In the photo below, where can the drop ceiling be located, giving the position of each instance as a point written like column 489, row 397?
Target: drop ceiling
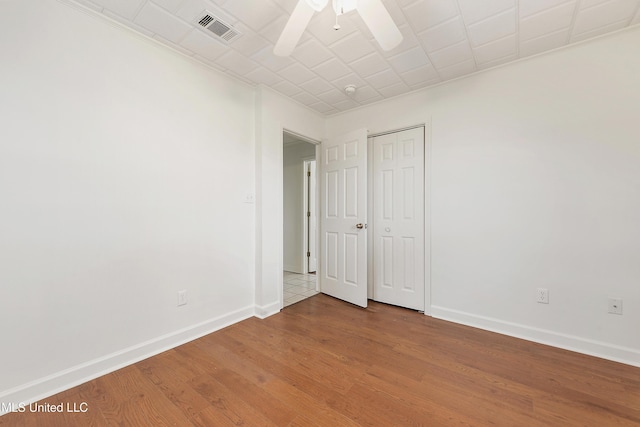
column 443, row 40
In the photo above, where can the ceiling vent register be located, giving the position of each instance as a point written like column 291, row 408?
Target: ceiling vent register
column 219, row 28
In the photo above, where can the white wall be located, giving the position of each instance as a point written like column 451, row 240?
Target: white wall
column 535, row 182
column 123, row 172
column 293, row 206
column 273, row 114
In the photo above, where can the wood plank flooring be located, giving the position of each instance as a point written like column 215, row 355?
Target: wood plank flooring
column 323, row 362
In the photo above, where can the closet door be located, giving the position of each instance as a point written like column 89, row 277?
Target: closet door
column 398, row 219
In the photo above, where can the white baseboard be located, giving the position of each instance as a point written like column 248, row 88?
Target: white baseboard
column 79, row 374
column 599, row 349
column 264, row 311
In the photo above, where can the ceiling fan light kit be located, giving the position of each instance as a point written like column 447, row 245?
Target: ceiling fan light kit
column 373, row 13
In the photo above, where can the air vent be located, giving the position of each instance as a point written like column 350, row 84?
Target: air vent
column 216, row 26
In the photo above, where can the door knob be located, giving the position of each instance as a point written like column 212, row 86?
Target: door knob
column 359, row 226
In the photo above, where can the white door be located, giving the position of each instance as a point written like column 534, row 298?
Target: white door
column 398, row 218
column 311, row 216
column 343, row 217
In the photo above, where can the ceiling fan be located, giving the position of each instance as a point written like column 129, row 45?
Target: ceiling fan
column 372, row 12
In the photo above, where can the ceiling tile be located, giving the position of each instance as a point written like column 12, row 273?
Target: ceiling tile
column 264, row 76
column 451, row 55
column 548, row 21
column 203, row 44
column 457, row 70
column 530, row 7
column 598, row 31
column 370, row 64
column 409, row 40
column 321, row 107
column 332, row 69
column 585, row 4
column 90, row 5
column 311, row 53
column 409, row 60
column 346, row 105
column 266, row 57
column 287, row 88
column 237, row 62
column 493, row 28
column 125, row 8
column 366, row 94
column 255, row 14
column 332, row 96
column 127, row 23
column 350, row 79
column 541, row 44
column 604, row 14
column 170, row 5
column 249, row 43
column 352, row 47
column 173, row 45
column 499, row 61
column 316, row 86
column 305, row 98
column 297, row 74
column 273, row 30
column 192, row 9
column 383, row 79
column 420, row 75
column 446, row 34
column 394, row 90
column 161, row 22
column 495, row 50
column 427, row 13
column 474, row 10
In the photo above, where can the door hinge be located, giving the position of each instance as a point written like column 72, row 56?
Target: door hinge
column 308, row 213
column 308, row 173
column 308, row 254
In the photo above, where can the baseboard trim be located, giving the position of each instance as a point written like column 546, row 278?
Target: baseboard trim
column 79, row 374
column 264, row 311
column 595, row 348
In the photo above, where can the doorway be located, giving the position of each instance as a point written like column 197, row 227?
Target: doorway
column 299, row 214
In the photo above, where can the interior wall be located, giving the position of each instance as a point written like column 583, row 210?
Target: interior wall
column 123, row 173
column 293, row 206
column 534, row 182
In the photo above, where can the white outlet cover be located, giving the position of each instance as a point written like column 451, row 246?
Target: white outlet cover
column 615, row 305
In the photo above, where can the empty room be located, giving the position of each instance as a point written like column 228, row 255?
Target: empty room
column 320, row 212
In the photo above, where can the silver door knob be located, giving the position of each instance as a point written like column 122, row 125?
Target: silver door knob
column 359, row 226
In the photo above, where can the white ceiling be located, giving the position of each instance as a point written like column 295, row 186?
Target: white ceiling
column 443, row 39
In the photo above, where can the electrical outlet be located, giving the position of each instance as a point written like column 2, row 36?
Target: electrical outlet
column 182, row 298
column 542, row 295
column 615, row 305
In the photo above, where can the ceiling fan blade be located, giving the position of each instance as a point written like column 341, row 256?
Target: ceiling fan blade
column 380, row 23
column 293, row 30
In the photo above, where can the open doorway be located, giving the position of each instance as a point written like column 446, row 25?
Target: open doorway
column 299, row 214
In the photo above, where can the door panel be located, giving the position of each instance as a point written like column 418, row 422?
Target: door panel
column 343, row 171
column 398, row 223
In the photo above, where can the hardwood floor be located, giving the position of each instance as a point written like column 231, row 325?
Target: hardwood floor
column 323, row 362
